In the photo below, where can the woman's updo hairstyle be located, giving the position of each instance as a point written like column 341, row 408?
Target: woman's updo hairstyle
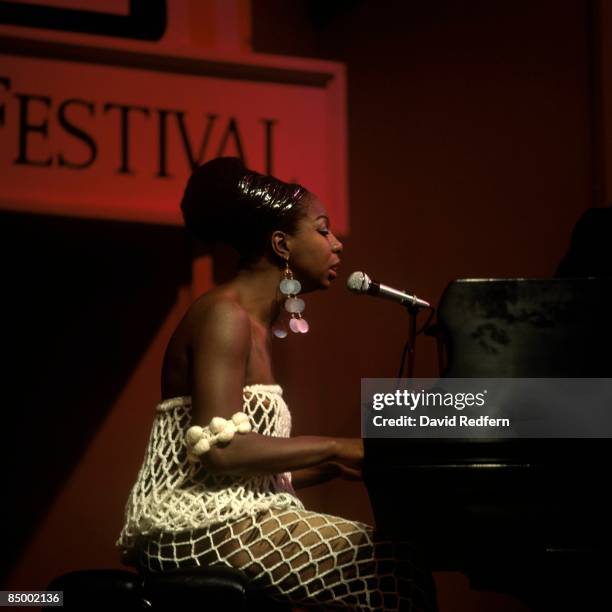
column 228, row 203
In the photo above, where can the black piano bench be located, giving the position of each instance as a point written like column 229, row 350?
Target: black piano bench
column 193, row 590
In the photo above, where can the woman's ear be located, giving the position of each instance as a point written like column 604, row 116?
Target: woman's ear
column 280, row 244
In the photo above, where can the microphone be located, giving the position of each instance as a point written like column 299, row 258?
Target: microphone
column 360, row 282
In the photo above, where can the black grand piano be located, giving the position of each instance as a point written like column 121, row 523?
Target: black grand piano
column 528, row 517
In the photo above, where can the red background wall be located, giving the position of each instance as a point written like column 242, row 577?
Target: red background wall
column 475, row 143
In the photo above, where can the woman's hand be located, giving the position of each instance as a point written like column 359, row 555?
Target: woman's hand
column 319, row 474
column 349, row 452
column 348, row 473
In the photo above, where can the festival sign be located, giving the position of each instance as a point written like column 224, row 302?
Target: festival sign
column 101, row 132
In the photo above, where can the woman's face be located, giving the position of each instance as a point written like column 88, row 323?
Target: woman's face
column 314, row 250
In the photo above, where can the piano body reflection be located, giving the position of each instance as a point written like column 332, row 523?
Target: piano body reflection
column 528, row 517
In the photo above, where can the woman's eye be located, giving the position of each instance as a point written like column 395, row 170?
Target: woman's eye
column 324, row 231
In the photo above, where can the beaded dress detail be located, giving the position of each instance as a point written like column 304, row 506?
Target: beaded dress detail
column 172, row 494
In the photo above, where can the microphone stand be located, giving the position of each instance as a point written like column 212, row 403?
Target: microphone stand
column 409, row 353
column 413, row 311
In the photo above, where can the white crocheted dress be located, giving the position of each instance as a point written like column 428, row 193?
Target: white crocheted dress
column 179, row 515
column 173, row 494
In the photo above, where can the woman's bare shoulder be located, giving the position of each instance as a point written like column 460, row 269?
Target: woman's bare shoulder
column 214, row 324
column 217, row 312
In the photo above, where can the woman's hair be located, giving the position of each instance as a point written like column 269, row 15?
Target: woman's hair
column 228, row 203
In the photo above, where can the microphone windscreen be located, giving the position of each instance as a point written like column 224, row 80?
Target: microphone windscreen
column 358, row 282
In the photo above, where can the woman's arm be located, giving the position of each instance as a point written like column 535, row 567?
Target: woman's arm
column 308, row 477
column 253, row 454
column 220, row 350
column 319, row 474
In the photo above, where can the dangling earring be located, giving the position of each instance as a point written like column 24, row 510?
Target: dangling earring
column 294, row 305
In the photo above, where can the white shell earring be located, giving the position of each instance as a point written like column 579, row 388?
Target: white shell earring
column 294, row 305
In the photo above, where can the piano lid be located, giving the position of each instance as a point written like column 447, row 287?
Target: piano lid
column 554, row 328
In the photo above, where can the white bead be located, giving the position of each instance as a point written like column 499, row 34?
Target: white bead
column 293, row 324
column 244, row 427
column 290, row 286
column 201, row 447
column 294, row 305
column 228, row 433
column 193, row 435
column 240, row 417
column 217, row 425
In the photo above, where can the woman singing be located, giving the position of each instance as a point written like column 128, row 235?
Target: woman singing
column 218, row 479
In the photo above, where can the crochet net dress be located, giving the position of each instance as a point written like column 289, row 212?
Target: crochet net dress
column 179, row 515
